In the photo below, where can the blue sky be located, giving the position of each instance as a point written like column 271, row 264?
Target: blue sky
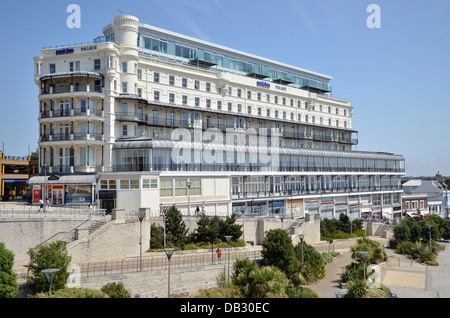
column 397, row 77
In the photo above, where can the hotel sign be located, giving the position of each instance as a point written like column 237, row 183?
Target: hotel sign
column 263, row 84
column 65, row 51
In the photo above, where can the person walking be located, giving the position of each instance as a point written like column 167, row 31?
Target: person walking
column 41, row 205
column 219, row 254
column 197, row 211
column 47, row 206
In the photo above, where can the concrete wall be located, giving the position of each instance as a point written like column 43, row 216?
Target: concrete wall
column 21, row 233
column 157, row 280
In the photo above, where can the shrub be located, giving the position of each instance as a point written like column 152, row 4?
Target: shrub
column 426, row 255
column 116, row 290
column 8, row 283
column 405, row 247
column 73, row 293
column 357, row 289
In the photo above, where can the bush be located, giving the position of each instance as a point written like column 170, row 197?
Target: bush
column 426, row 256
column 115, row 290
column 357, row 289
column 73, row 293
column 405, row 247
column 8, row 283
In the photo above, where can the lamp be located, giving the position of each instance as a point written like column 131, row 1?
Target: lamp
column 50, row 275
column 363, row 257
column 169, row 252
column 189, row 183
column 140, row 214
column 228, row 237
column 301, row 237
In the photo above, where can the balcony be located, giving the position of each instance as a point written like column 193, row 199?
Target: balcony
column 64, row 89
column 72, row 137
column 77, row 112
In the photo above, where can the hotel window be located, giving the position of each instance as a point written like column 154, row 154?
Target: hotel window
column 134, row 184
column 124, row 184
column 276, row 113
column 124, row 109
column 292, row 102
column 139, row 73
column 229, row 91
column 171, row 80
column 284, row 115
column 156, row 95
column 230, row 107
column 422, row 204
column 219, row 104
column 299, row 117
column 156, row 77
column 414, row 205
column 313, row 119
column 239, row 108
column 337, row 123
column 299, row 104
column 52, row 68
column 292, row 116
column 284, row 100
column 184, row 99
column 268, row 98
column 166, row 187
column 208, row 87
column 249, row 109
column 249, row 94
column 196, row 187
column 180, row 187
column 124, row 130
column 124, row 67
column 258, row 96
column 276, row 100
column 197, row 85
column 171, row 98
column 140, row 92
column 259, row 111
column 306, row 118
column 150, row 183
column 239, row 92
column 74, row 66
column 306, row 105
column 124, row 87
column 208, row 103
column 407, row 205
column 197, row 101
column 97, row 64
column 268, row 112
column 184, row 82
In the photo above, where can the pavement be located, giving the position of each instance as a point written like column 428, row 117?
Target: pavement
column 405, row 278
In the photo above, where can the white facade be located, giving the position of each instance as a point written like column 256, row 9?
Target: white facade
column 247, row 133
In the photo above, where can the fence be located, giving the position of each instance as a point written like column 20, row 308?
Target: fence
column 63, row 211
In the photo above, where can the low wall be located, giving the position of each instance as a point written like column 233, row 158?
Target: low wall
column 156, row 281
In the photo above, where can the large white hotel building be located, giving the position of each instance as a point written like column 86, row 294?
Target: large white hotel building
column 143, row 116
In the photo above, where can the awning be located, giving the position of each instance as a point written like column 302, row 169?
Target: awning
column 418, row 213
column 70, row 179
column 17, row 180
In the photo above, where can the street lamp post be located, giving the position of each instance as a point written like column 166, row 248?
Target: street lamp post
column 282, row 218
column 363, row 257
column 301, row 237
column 228, row 237
column 140, row 214
column 50, row 275
column 169, row 252
column 189, row 183
column 429, row 233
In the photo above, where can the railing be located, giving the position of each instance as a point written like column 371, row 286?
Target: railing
column 30, row 211
column 244, row 168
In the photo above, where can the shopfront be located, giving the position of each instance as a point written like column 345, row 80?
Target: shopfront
column 64, row 190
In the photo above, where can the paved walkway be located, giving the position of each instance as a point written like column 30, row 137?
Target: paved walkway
column 404, row 278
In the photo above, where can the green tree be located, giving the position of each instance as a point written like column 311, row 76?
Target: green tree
column 176, row 229
column 8, row 279
column 229, row 227
column 313, row 268
column 278, row 251
column 206, row 228
column 52, row 255
column 157, row 236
